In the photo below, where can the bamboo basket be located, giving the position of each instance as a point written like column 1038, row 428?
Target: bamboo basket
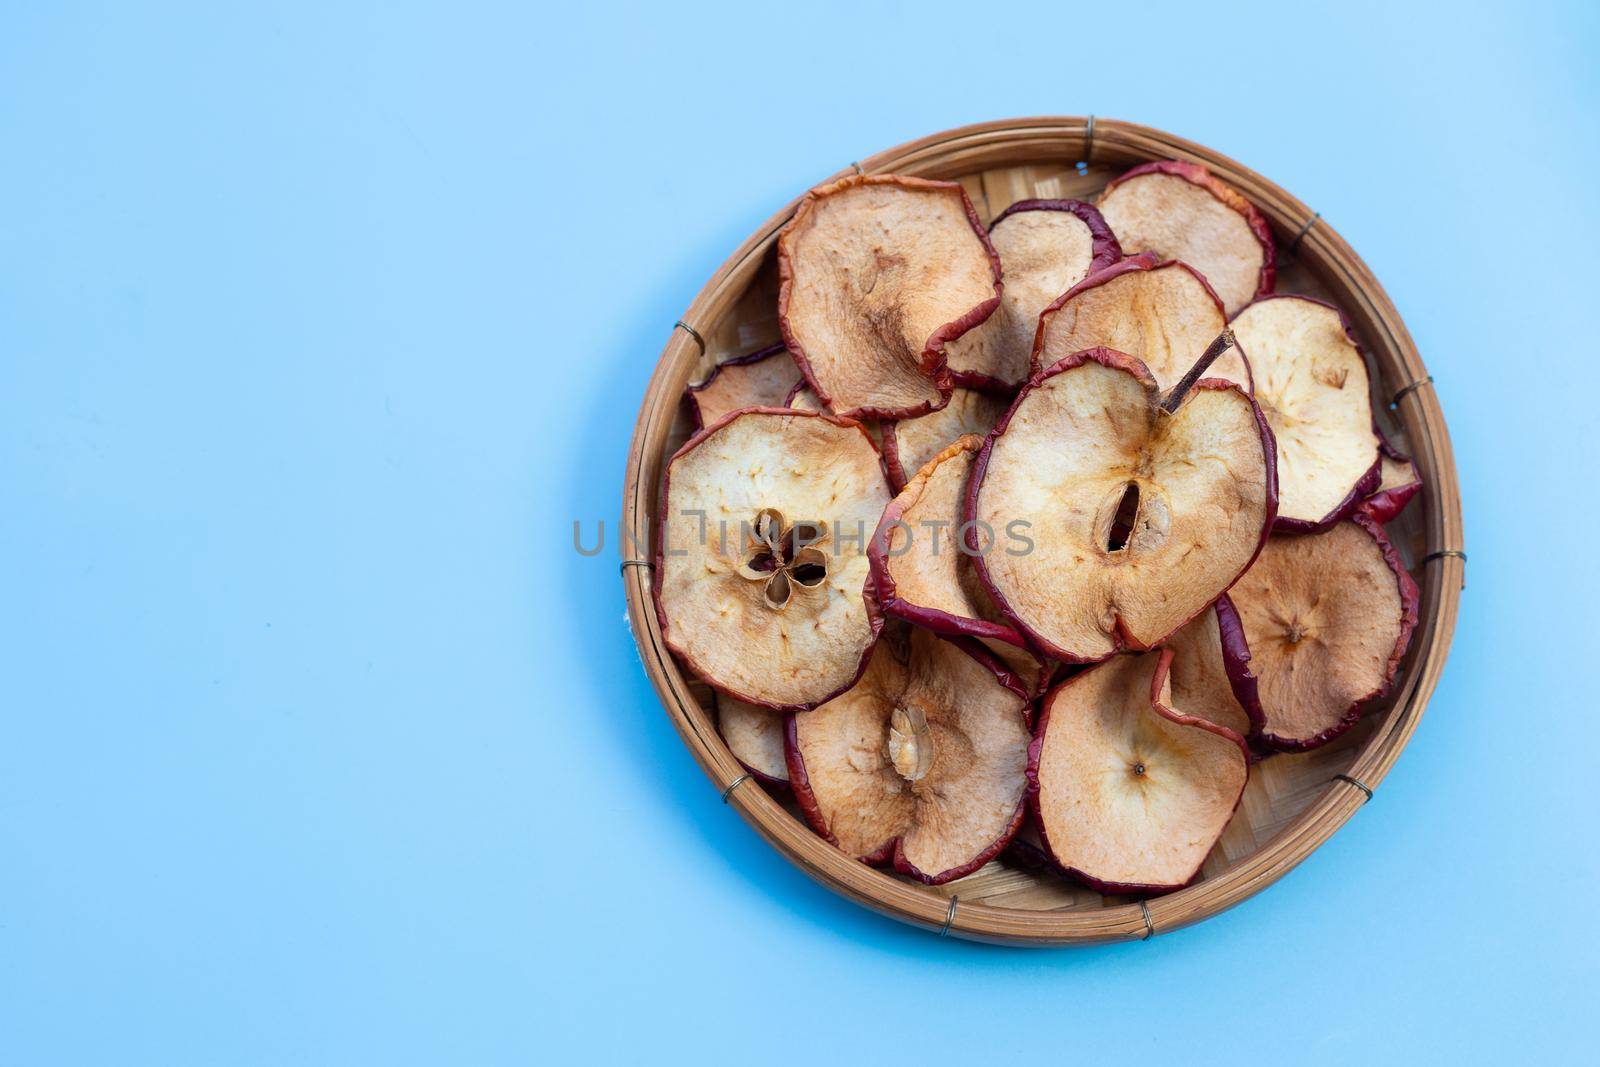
column 1293, row 802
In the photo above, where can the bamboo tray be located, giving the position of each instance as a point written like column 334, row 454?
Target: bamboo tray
column 1293, row 802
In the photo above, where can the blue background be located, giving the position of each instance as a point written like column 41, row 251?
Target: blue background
column 319, row 326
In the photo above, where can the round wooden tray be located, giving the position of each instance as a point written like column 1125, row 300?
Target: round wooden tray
column 1293, row 802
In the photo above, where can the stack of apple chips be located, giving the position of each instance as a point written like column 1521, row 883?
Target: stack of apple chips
column 1055, row 528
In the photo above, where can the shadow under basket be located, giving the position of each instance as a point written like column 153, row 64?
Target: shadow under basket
column 1293, row 802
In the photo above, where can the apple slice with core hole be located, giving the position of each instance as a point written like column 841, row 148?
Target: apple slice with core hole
column 1045, row 247
column 1136, row 519
column 1398, row 482
column 876, row 274
column 1128, row 793
column 1161, row 313
column 922, row 762
column 923, row 570
column 755, row 737
column 1180, row 211
column 1200, row 684
column 1325, row 619
column 761, row 565
column 909, row 445
column 762, row 379
column 1312, row 385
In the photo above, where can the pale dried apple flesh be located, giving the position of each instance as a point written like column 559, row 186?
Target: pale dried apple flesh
column 1131, row 796
column 1312, row 385
column 1043, row 253
column 878, row 274
column 1076, row 447
column 928, row 751
column 1164, row 316
column 761, row 576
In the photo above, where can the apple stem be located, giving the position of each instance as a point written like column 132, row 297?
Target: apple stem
column 1213, row 351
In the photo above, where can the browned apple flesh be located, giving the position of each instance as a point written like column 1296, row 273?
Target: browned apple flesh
column 1045, row 247
column 908, row 445
column 877, row 273
column 762, row 379
column 762, row 565
column 1180, row 211
column 1312, row 385
column 755, row 737
column 1138, row 519
column 1326, row 619
column 923, row 571
column 1200, row 684
column 1129, row 793
column 1398, row 482
column 922, row 762
column 1161, row 313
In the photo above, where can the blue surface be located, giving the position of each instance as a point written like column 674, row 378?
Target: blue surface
column 319, row 743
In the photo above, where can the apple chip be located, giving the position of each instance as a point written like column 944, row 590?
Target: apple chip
column 1200, row 683
column 922, row 567
column 1180, row 211
column 1129, row 794
column 908, row 445
column 877, row 273
column 1326, row 619
column 1398, row 482
column 761, row 569
column 1045, row 247
column 755, row 737
column 923, row 761
column 1161, row 313
column 1311, row 383
column 762, row 379
column 803, row 399
column 1135, row 519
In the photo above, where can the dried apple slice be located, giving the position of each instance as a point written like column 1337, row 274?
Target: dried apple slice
column 1135, row 519
column 1398, row 482
column 761, row 569
column 923, row 570
column 1325, row 620
column 755, row 737
column 1200, row 683
column 801, row 398
column 1128, row 793
column 1180, row 211
column 877, row 273
column 923, row 761
column 762, row 379
column 908, row 445
column 1045, row 247
column 1162, row 313
column 1311, row 383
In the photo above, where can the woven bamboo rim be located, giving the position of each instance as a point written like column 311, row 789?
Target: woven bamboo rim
column 1013, row 142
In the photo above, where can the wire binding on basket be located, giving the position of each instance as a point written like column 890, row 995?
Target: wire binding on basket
column 1358, row 783
column 949, row 916
column 1149, row 927
column 1394, row 401
column 692, row 332
column 1448, row 553
column 735, row 784
column 1305, row 229
column 635, row 563
column 857, row 166
column 1088, row 147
